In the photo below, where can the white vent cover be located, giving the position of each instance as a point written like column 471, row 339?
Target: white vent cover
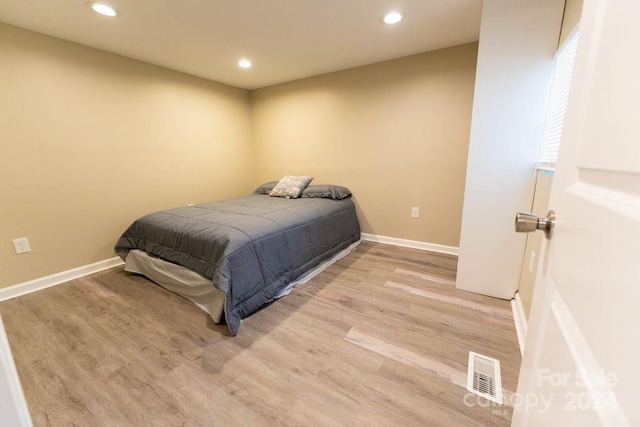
column 484, row 378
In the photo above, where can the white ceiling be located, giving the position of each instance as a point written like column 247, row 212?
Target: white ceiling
column 285, row 39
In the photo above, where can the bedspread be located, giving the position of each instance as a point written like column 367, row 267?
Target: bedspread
column 250, row 247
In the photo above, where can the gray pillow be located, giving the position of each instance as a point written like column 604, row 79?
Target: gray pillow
column 290, row 186
column 265, row 188
column 334, row 192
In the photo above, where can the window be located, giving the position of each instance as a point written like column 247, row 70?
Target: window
column 557, row 107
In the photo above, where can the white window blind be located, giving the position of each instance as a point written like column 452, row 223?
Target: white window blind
column 554, row 119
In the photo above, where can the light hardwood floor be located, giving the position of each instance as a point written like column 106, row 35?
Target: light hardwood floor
column 382, row 337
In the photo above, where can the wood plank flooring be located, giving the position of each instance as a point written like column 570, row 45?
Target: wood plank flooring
column 382, row 337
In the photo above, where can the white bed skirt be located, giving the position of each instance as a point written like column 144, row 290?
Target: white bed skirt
column 197, row 288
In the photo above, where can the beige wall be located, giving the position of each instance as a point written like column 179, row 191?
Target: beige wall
column 91, row 140
column 396, row 133
column 572, row 13
column 534, row 241
column 518, row 40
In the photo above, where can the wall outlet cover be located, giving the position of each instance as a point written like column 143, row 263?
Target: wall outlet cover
column 21, row 245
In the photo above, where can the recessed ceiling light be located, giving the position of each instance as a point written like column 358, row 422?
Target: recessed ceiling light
column 244, row 63
column 392, row 18
column 102, row 9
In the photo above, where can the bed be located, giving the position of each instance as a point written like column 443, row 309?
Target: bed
column 236, row 256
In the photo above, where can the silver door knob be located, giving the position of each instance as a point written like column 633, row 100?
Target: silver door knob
column 527, row 222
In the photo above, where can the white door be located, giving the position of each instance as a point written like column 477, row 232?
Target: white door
column 581, row 363
column 13, row 407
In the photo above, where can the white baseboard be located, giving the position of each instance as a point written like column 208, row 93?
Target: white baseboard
column 414, row 244
column 55, row 279
column 520, row 321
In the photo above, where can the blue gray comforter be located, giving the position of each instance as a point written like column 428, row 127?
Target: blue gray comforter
column 251, row 247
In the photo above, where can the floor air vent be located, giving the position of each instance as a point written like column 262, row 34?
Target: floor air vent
column 484, row 378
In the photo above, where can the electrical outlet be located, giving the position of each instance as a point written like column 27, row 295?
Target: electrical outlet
column 532, row 260
column 415, row 212
column 21, row 245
